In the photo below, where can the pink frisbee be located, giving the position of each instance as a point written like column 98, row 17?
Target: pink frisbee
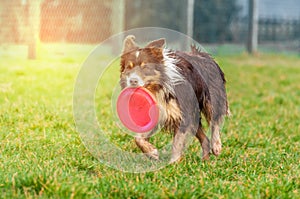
column 137, row 109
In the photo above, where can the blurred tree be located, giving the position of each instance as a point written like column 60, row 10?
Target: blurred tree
column 212, row 19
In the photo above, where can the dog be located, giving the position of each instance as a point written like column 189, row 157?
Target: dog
column 165, row 73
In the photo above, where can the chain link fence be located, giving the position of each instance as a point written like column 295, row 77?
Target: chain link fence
column 278, row 25
column 92, row 21
column 75, row 21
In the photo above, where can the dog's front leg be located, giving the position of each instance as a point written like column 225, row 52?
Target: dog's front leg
column 147, row 147
column 178, row 145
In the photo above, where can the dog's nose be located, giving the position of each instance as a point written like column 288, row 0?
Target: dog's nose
column 133, row 81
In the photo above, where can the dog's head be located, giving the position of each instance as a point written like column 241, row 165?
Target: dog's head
column 142, row 66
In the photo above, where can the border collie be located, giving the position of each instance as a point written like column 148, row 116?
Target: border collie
column 166, row 74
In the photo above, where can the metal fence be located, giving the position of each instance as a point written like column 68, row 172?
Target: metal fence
column 76, row 21
column 279, row 29
column 92, row 21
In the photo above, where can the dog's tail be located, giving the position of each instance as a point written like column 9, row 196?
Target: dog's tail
column 195, row 49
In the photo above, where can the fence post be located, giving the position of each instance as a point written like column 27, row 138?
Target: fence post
column 253, row 26
column 190, row 18
column 33, row 27
column 117, row 18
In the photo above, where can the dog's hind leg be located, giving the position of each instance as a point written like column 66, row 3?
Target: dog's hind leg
column 216, row 144
column 147, row 147
column 204, row 141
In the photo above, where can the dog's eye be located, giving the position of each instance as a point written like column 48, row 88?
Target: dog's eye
column 143, row 64
column 130, row 64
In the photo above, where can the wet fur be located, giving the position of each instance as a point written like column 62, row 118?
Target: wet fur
column 164, row 72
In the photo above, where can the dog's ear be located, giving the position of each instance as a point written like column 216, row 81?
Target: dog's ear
column 129, row 44
column 160, row 43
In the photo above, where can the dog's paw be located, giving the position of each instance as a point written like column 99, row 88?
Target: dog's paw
column 205, row 157
column 175, row 158
column 153, row 154
column 216, row 147
column 206, row 151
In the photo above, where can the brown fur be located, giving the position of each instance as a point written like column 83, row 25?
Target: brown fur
column 147, row 67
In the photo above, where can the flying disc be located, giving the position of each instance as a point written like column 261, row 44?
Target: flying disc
column 137, row 109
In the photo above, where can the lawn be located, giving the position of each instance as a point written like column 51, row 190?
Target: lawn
column 42, row 155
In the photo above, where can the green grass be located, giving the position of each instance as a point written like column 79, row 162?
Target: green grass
column 41, row 154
